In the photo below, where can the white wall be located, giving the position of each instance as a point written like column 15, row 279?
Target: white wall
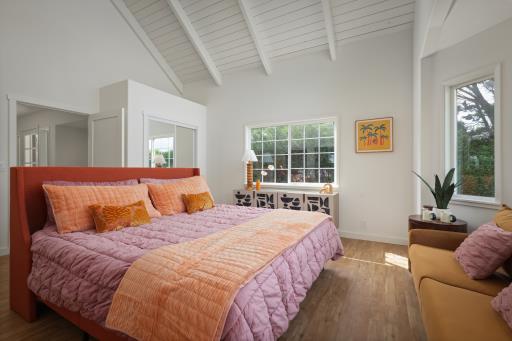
column 487, row 48
column 63, row 51
column 370, row 78
column 71, row 146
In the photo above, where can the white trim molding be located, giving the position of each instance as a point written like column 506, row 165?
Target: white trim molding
column 251, row 26
column 329, row 28
column 450, row 138
column 146, row 41
column 196, row 41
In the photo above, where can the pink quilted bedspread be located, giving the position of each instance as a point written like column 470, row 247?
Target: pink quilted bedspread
column 81, row 271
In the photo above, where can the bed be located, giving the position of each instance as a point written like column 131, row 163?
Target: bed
column 76, row 274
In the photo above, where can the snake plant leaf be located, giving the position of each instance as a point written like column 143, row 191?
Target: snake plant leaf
column 448, row 179
column 439, row 188
column 426, row 183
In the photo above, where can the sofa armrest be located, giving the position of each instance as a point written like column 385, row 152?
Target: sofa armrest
column 434, row 238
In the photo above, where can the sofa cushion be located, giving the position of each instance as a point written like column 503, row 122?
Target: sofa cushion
column 484, row 251
column 441, row 265
column 452, row 313
column 503, row 218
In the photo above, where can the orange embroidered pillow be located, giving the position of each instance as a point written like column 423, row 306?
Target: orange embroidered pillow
column 168, row 197
column 70, row 204
column 198, row 202
column 113, row 218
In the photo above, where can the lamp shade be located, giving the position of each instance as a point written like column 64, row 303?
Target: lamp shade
column 249, row 155
column 159, row 160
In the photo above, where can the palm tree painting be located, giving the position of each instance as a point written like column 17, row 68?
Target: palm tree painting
column 374, row 135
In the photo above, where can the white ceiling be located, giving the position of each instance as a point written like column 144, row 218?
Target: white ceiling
column 453, row 21
column 204, row 39
column 24, row 109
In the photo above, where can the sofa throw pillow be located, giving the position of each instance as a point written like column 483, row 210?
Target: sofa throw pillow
column 112, row 218
column 50, row 219
column 71, row 203
column 484, row 251
column 168, row 198
column 198, row 202
column 503, row 304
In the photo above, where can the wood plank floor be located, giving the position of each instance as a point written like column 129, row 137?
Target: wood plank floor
column 366, row 295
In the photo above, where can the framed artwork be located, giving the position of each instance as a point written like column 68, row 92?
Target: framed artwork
column 374, row 135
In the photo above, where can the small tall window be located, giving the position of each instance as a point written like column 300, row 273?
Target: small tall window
column 295, row 153
column 30, row 149
column 474, row 138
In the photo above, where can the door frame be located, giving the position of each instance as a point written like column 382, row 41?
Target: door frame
column 12, row 102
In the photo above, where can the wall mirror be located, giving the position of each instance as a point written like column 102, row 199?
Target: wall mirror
column 168, row 144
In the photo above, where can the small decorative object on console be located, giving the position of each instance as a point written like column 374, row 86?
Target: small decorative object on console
column 326, row 189
column 159, row 161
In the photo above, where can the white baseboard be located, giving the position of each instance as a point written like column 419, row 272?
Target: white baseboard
column 374, row 237
column 4, row 251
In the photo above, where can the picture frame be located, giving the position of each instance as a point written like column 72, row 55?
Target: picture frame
column 374, row 135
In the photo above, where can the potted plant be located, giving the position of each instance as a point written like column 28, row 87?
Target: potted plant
column 442, row 193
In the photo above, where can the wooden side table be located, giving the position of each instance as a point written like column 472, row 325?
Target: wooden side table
column 415, row 222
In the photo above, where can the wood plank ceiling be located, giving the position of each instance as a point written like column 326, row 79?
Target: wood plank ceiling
column 201, row 39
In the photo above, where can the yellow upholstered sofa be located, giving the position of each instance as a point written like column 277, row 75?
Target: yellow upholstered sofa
column 453, row 306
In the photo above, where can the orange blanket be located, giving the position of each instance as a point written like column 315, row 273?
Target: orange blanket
column 184, row 291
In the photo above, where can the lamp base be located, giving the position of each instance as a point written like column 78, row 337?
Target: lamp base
column 249, row 184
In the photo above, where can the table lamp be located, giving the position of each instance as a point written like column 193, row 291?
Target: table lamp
column 248, row 158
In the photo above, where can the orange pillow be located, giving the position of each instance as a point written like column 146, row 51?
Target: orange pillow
column 198, row 202
column 70, row 204
column 503, row 218
column 168, row 197
column 113, row 218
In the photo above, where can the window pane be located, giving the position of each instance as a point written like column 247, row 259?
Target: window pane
column 258, row 164
column 311, row 175
column 297, row 146
column 326, row 160
column 281, row 162
column 270, row 177
column 282, row 147
column 298, row 161
column 256, row 134
column 256, row 175
column 269, row 147
column 269, row 133
column 282, row 176
column 311, row 160
column 327, row 145
column 327, row 129
column 170, row 163
column 312, row 146
column 257, row 147
column 312, row 130
column 298, row 132
column 282, row 133
column 268, row 160
column 297, row 175
column 326, row 175
column 475, row 138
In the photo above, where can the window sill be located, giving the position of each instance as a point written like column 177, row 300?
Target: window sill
column 475, row 201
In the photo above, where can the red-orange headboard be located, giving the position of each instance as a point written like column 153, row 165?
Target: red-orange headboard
column 28, row 213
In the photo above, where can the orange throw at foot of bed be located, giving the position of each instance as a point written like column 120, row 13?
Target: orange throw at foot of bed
column 184, row 291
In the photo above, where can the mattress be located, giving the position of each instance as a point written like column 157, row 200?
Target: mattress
column 80, row 271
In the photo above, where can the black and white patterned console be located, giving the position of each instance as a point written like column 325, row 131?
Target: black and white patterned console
column 292, row 200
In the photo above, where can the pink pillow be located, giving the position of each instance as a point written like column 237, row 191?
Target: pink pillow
column 50, row 218
column 503, row 304
column 484, row 251
column 157, row 181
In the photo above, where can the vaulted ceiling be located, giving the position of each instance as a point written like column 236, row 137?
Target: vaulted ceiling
column 204, row 39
